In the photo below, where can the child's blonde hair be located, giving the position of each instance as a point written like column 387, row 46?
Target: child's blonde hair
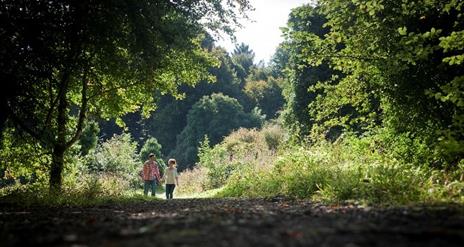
column 172, row 161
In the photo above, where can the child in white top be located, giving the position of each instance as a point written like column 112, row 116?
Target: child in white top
column 171, row 177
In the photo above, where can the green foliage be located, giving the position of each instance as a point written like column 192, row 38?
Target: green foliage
column 21, row 159
column 217, row 171
column 264, row 92
column 117, row 157
column 355, row 66
column 242, row 58
column 241, row 150
column 110, row 170
column 152, row 146
column 404, row 55
column 170, row 118
column 279, row 61
column 101, row 58
column 214, row 116
column 89, row 138
column 304, row 31
column 352, row 169
column 91, row 193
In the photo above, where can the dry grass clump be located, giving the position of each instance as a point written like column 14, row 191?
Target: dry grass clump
column 192, row 181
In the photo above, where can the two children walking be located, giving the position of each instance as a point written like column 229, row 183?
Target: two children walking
column 151, row 176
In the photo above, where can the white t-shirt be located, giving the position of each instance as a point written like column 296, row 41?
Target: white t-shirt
column 170, row 176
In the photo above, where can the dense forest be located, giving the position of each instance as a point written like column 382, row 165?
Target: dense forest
column 363, row 100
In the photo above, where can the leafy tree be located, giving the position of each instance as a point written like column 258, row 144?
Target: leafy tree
column 264, row 92
column 65, row 60
column 243, row 57
column 279, row 61
column 304, row 29
column 408, row 54
column 150, row 146
column 170, row 118
column 214, row 116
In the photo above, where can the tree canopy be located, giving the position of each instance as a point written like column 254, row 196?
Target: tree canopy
column 215, row 117
column 393, row 64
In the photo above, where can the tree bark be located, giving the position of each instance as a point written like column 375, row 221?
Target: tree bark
column 57, row 168
column 59, row 146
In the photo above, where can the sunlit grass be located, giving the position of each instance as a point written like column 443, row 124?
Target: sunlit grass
column 34, row 195
column 205, row 194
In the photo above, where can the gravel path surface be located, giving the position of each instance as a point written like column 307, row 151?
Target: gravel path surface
column 231, row 222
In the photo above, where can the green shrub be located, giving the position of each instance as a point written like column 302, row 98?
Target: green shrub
column 381, row 168
column 214, row 160
column 117, row 157
column 274, row 136
column 351, row 169
column 21, row 159
column 100, row 185
column 242, row 150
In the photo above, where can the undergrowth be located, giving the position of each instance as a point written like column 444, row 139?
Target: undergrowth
column 376, row 169
column 96, row 191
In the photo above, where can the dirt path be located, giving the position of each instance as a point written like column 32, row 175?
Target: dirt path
column 214, row 222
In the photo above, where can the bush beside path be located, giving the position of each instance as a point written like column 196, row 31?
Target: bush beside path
column 232, row 222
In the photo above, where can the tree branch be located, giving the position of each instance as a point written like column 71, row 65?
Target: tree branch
column 82, row 113
column 53, row 102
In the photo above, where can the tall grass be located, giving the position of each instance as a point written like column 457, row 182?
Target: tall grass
column 376, row 169
column 95, row 192
column 192, row 182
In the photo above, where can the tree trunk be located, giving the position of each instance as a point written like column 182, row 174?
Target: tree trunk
column 59, row 147
column 57, row 168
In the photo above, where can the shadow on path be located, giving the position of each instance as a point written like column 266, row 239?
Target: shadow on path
column 232, row 222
